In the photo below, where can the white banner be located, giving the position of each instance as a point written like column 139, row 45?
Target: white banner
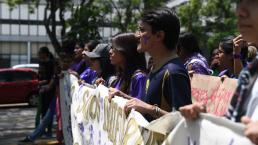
column 97, row 121
column 94, row 120
column 208, row 130
column 65, row 103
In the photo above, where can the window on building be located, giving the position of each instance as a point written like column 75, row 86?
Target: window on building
column 4, row 60
column 15, row 29
column 6, row 29
column 15, row 13
column 41, row 10
column 5, row 11
column 24, row 12
column 42, row 31
column 33, row 30
column 33, row 16
column 18, row 59
column 24, row 29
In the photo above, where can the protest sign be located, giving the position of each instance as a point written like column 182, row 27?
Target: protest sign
column 207, row 130
column 214, row 92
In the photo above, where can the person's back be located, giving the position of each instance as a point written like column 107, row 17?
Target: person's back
column 168, row 82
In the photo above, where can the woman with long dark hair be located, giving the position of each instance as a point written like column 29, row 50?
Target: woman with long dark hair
column 226, row 59
column 130, row 66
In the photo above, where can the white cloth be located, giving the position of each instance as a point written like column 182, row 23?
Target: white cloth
column 252, row 107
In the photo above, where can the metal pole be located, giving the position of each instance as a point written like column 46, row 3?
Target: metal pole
column 28, row 51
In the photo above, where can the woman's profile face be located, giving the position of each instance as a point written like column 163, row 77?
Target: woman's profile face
column 223, row 57
column 116, row 57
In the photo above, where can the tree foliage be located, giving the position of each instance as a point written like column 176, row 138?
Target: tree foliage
column 209, row 20
column 88, row 16
column 127, row 12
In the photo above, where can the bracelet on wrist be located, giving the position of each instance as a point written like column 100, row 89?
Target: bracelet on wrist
column 156, row 110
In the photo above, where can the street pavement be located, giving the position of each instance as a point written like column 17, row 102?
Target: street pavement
column 16, row 122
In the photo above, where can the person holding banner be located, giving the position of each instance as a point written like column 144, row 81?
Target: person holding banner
column 168, row 84
column 79, row 65
column 100, row 63
column 244, row 103
column 130, row 67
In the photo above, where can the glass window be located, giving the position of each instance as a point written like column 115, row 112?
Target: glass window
column 23, row 59
column 34, row 50
column 33, row 16
column 4, row 61
column 14, row 29
column 6, row 29
column 42, row 31
column 15, row 13
column 14, row 60
column 23, row 48
column 24, row 12
column 5, row 11
column 14, row 48
column 5, row 76
column 41, row 10
column 5, row 47
column 22, row 76
column 33, row 30
column 24, row 29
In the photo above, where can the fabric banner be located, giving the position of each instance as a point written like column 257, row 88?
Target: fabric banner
column 214, row 92
column 95, row 120
column 65, row 103
column 208, row 130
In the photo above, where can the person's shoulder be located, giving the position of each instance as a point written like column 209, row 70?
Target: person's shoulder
column 138, row 74
column 175, row 66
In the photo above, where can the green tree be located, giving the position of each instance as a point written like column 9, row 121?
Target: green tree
column 85, row 22
column 127, row 12
column 54, row 17
column 88, row 16
column 209, row 20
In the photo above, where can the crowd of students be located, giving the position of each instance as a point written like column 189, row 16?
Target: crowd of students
column 162, row 84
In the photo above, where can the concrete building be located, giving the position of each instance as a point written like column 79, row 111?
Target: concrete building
column 22, row 33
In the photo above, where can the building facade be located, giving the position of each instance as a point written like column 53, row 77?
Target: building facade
column 22, row 33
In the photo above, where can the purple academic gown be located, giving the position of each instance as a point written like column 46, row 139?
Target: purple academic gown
column 137, row 85
column 78, row 66
column 198, row 64
column 89, row 76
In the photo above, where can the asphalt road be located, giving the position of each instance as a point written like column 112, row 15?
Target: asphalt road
column 17, row 121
